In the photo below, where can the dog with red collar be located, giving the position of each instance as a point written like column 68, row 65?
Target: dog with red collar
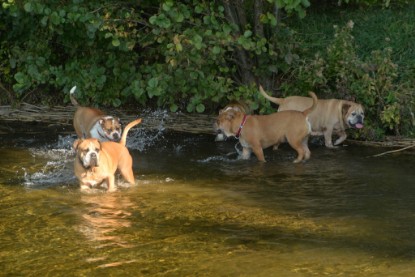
column 257, row 132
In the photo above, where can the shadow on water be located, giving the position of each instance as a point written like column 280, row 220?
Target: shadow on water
column 198, row 210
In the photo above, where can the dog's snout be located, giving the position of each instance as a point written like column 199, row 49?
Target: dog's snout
column 116, row 136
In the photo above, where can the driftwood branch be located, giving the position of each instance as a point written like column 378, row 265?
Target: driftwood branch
column 394, row 151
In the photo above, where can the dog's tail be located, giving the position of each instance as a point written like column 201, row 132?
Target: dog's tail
column 127, row 128
column 73, row 100
column 309, row 110
column 275, row 100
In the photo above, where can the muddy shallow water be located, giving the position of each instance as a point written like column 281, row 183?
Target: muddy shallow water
column 198, row 211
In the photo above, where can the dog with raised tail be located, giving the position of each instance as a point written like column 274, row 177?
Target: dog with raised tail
column 96, row 162
column 93, row 123
column 331, row 116
column 257, row 132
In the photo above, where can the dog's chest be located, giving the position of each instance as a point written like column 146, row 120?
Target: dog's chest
column 98, row 133
column 92, row 177
column 244, row 143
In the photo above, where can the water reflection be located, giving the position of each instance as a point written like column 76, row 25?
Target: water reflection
column 198, row 210
column 104, row 216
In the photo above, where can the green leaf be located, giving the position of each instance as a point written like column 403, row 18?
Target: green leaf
column 28, row 7
column 20, row 77
column 248, row 33
column 153, row 82
column 55, row 19
column 200, row 108
column 167, row 5
column 116, row 42
column 116, row 102
column 173, row 108
column 190, row 107
column 216, row 50
column 199, row 8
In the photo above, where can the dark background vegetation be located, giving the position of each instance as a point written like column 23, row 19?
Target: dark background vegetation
column 196, row 55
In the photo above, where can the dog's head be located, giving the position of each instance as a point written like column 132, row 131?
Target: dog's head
column 353, row 114
column 235, row 107
column 87, row 151
column 225, row 121
column 111, row 127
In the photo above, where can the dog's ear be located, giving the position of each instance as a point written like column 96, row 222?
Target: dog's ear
column 76, row 143
column 345, row 108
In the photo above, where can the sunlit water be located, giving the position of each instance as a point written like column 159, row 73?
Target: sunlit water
column 196, row 210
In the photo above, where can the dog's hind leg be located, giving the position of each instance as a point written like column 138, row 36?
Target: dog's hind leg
column 307, row 152
column 128, row 175
column 298, row 146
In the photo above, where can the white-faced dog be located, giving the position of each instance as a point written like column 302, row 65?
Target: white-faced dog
column 96, row 162
column 93, row 123
column 331, row 116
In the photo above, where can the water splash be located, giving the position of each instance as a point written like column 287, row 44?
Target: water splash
column 142, row 138
column 58, row 167
column 59, row 156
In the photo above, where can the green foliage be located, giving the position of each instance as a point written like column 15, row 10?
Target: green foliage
column 197, row 55
column 179, row 55
column 374, row 82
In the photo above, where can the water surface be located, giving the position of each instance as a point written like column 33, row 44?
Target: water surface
column 198, row 211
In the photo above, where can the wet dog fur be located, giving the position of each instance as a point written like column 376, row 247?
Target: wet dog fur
column 257, row 132
column 331, row 116
column 93, row 123
column 96, row 162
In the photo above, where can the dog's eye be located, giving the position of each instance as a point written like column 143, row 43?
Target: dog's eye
column 353, row 113
column 97, row 150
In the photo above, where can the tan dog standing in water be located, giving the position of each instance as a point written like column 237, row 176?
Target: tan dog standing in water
column 93, row 123
column 97, row 161
column 330, row 116
column 257, row 132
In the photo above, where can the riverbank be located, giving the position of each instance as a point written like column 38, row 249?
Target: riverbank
column 60, row 118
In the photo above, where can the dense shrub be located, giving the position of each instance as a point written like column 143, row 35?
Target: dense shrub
column 374, row 81
column 195, row 56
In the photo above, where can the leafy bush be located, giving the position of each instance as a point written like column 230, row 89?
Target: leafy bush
column 374, row 82
column 181, row 55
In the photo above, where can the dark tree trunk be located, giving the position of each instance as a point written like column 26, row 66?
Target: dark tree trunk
column 235, row 15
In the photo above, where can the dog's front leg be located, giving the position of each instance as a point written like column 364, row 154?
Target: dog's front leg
column 246, row 153
column 342, row 137
column 111, row 183
column 259, row 153
column 328, row 133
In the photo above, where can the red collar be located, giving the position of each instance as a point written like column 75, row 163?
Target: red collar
column 241, row 126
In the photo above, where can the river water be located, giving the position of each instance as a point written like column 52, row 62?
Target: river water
column 196, row 210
